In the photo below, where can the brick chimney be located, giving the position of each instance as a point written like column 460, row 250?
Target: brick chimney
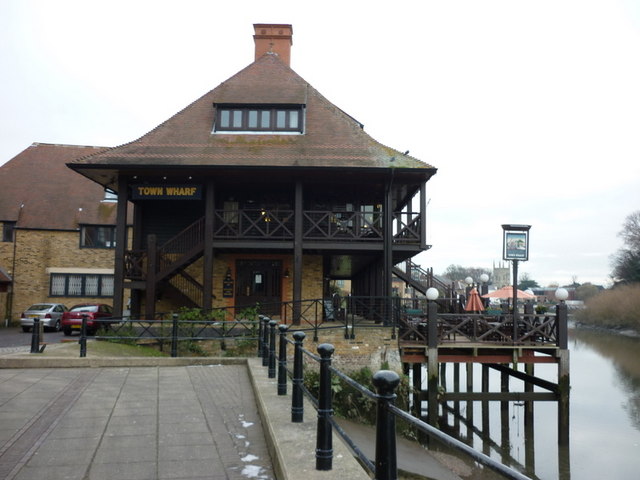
column 273, row 39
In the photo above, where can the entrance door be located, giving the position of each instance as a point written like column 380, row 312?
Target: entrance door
column 259, row 281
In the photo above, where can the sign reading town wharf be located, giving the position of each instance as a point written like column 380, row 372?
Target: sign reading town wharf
column 166, row 192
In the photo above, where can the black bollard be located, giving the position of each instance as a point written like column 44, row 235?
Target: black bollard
column 35, row 336
column 83, row 337
column 386, row 383
column 272, row 349
column 324, row 440
column 260, row 339
column 282, row 361
column 265, row 341
column 297, row 406
column 174, row 335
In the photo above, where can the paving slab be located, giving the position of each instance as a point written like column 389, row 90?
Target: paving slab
column 128, row 423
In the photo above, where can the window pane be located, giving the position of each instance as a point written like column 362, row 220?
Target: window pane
column 225, row 116
column 281, row 117
column 91, row 285
column 57, row 284
column 293, row 119
column 75, row 285
column 264, row 118
column 107, row 286
column 237, row 118
column 253, row 119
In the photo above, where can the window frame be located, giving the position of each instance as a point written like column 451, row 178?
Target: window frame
column 105, row 283
column 105, row 243
column 239, row 118
column 8, row 232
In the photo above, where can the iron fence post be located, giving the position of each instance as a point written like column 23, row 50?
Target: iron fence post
column 350, row 308
column 272, row 349
column 282, row 361
column 35, row 336
column 386, row 382
column 324, row 440
column 174, row 335
column 297, row 407
column 83, row 337
column 265, row 341
column 260, row 339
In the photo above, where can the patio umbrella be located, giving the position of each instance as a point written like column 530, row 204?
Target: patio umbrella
column 474, row 302
column 507, row 292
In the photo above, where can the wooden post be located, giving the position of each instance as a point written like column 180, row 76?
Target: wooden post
column 207, row 267
column 121, row 247
column 150, row 296
column 297, row 254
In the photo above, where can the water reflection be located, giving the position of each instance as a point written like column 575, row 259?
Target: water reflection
column 623, row 353
column 604, row 438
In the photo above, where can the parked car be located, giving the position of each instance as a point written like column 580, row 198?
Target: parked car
column 50, row 315
column 98, row 315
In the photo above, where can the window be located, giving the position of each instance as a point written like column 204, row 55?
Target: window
column 92, row 236
column 80, row 285
column 266, row 119
column 8, row 229
column 110, row 195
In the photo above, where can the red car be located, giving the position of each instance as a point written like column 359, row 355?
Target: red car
column 72, row 320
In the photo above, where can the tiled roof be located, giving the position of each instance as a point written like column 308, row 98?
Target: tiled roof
column 332, row 138
column 38, row 191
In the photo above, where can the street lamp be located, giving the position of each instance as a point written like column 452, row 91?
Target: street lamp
column 562, row 294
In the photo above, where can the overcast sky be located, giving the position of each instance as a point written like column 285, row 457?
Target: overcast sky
column 529, row 110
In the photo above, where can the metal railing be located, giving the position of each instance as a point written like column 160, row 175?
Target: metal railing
column 384, row 466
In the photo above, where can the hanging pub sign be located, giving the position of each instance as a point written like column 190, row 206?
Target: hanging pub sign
column 166, row 192
column 515, row 243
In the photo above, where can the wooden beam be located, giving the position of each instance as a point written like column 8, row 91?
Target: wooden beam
column 207, row 268
column 121, row 246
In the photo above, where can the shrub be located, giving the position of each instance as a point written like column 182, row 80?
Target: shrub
column 618, row 307
column 351, row 404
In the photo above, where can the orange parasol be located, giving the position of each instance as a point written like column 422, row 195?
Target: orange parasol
column 474, row 302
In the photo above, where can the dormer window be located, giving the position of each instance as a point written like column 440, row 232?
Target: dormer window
column 260, row 119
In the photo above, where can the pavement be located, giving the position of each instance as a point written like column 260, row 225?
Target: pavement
column 165, row 418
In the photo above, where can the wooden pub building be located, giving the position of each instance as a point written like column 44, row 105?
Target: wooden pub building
column 260, row 191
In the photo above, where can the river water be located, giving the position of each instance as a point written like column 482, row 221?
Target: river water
column 604, row 423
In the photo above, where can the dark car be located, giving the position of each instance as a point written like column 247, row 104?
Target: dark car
column 98, row 315
column 49, row 315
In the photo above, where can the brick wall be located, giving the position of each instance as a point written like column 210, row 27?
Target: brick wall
column 371, row 347
column 37, row 251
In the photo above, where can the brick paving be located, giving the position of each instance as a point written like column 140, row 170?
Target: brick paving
column 126, row 423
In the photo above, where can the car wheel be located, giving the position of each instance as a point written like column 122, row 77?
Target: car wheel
column 56, row 327
column 66, row 331
column 26, row 329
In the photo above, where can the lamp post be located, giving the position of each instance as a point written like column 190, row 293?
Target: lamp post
column 515, row 247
